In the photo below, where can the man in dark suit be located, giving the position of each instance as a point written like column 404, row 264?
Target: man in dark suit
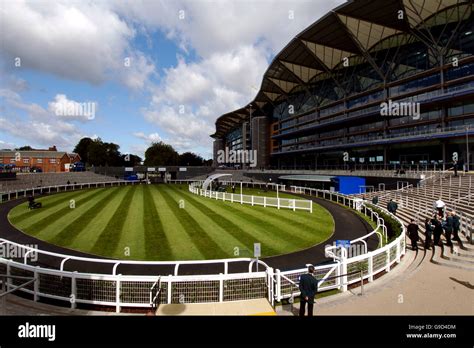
column 308, row 287
column 456, row 225
column 412, row 230
column 448, row 228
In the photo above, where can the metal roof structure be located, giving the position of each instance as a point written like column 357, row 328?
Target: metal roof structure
column 354, row 30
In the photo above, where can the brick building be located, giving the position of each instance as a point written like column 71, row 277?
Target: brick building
column 47, row 161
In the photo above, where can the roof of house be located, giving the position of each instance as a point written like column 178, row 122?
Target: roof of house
column 36, row 154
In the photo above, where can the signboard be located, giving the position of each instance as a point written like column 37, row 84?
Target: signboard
column 151, row 169
column 257, row 251
column 129, row 169
column 162, row 169
column 183, row 169
column 343, row 243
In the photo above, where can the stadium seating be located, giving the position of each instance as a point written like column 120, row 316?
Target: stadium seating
column 418, row 203
column 32, row 180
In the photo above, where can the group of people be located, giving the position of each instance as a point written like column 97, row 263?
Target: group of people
column 447, row 224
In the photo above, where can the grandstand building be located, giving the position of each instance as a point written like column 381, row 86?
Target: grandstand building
column 381, row 84
column 47, row 161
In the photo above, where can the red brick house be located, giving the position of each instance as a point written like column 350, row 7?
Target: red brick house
column 49, row 161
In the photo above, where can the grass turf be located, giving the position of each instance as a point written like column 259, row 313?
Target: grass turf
column 145, row 222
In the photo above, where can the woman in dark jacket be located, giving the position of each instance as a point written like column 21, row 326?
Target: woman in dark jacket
column 429, row 228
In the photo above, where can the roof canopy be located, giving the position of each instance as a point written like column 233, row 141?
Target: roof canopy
column 349, row 31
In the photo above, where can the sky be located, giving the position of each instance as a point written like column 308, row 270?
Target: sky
column 136, row 72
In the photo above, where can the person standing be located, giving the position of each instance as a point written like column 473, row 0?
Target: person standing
column 448, row 228
column 412, row 229
column 308, row 288
column 437, row 231
column 392, row 207
column 455, row 167
column 456, row 226
column 429, row 227
column 439, row 205
column 375, row 200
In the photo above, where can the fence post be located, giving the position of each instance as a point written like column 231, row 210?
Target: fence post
column 8, row 280
column 169, row 289
column 343, row 269
column 36, row 284
column 278, row 285
column 117, row 294
column 387, row 260
column 398, row 253
column 221, row 288
column 271, row 298
column 73, row 290
column 370, row 268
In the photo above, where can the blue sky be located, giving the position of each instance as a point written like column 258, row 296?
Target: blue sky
column 190, row 62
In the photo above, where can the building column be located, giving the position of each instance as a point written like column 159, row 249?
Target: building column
column 218, row 145
column 443, row 151
column 261, row 140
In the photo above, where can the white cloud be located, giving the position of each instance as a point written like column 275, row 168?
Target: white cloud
column 40, row 127
column 7, row 145
column 84, row 41
column 150, row 138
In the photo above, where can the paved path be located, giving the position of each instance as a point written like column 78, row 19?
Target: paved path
column 414, row 287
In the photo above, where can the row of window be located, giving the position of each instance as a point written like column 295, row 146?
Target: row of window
column 27, row 160
column 312, row 140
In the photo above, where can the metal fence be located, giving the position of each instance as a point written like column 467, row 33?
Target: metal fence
column 120, row 291
column 279, row 203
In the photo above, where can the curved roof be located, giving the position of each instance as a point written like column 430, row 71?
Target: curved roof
column 349, row 31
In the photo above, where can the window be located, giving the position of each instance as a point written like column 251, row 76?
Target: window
column 52, row 160
column 26, row 160
column 39, row 160
column 12, row 160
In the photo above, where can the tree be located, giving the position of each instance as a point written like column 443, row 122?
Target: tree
column 190, row 159
column 82, row 148
column 133, row 160
column 25, row 148
column 159, row 154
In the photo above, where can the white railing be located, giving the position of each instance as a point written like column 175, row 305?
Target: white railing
column 276, row 202
column 7, row 196
column 121, row 291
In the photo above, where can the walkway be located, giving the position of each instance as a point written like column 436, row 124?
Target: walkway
column 415, row 287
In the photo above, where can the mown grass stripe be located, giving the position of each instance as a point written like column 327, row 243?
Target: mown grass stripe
column 216, row 232
column 48, row 204
column 284, row 217
column 72, row 230
column 156, row 241
column 181, row 244
column 230, row 227
column 206, row 245
column 38, row 226
column 253, row 218
column 110, row 237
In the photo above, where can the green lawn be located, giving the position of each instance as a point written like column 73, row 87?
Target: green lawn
column 145, row 222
